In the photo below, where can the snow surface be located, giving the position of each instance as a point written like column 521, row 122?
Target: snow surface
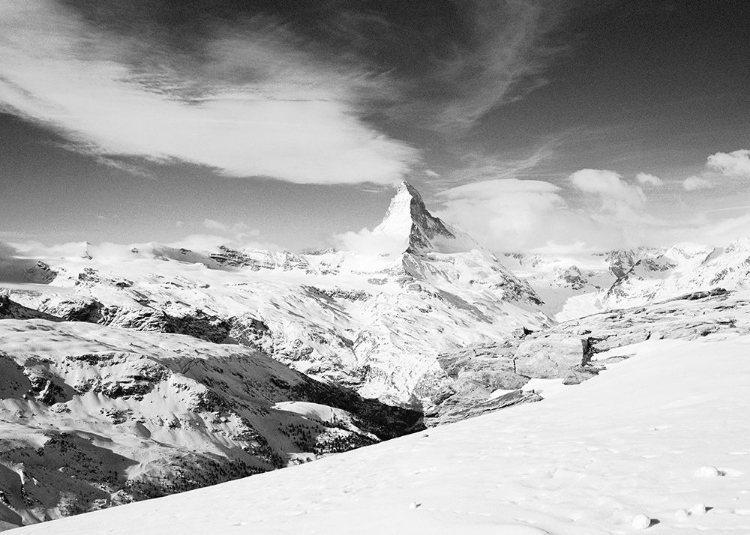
column 599, row 457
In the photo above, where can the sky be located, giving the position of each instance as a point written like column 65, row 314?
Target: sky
column 551, row 126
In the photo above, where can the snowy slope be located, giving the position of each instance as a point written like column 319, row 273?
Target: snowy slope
column 658, row 439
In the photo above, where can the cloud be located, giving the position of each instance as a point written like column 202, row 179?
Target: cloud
column 616, row 196
column 512, row 214
column 256, row 104
column 213, row 225
column 368, row 242
column 37, row 250
column 211, row 242
column 723, row 231
column 647, row 179
column 733, row 164
column 532, row 215
column 508, row 206
column 480, row 167
column 239, row 234
column 117, row 251
column 596, row 211
column 505, row 64
column 695, row 183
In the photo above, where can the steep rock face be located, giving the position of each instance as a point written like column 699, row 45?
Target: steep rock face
column 99, row 416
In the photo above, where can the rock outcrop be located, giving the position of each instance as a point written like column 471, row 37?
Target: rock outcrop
column 497, row 374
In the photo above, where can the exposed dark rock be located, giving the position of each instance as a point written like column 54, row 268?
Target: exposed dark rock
column 259, row 260
column 196, row 323
column 573, row 277
column 337, row 293
column 252, row 332
column 383, row 421
column 455, row 410
column 90, row 277
column 548, row 355
column 693, row 296
column 9, row 309
column 580, row 374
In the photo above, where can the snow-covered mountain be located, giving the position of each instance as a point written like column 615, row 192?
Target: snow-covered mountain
column 376, row 323
column 685, row 267
column 576, row 287
column 657, row 442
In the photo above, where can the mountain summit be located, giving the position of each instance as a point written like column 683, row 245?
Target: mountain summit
column 408, row 218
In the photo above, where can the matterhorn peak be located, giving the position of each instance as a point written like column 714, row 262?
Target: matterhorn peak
column 407, row 218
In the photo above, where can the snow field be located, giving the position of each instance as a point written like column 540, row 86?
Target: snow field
column 601, row 457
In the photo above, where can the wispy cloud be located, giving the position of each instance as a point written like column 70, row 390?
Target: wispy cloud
column 257, row 104
column 506, row 63
column 481, row 167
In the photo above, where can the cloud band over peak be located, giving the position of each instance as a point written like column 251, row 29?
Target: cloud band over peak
column 300, row 124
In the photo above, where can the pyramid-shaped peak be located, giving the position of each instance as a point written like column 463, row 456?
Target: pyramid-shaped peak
column 408, row 218
column 406, row 204
column 407, row 189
